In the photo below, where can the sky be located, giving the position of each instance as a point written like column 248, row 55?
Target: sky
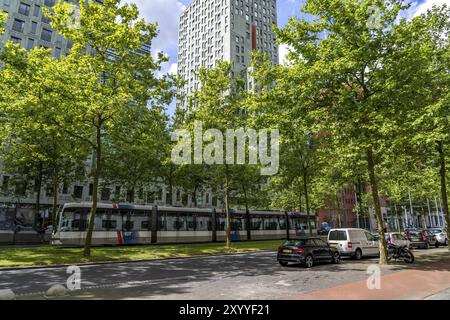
column 167, row 13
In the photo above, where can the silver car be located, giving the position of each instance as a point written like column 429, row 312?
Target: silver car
column 440, row 235
column 397, row 238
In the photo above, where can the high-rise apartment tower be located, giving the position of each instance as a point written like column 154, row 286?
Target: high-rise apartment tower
column 228, row 30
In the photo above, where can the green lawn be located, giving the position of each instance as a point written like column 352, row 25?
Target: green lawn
column 48, row 255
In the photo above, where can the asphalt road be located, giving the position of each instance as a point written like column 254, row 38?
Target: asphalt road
column 241, row 276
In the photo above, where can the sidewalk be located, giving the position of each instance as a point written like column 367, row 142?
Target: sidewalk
column 425, row 282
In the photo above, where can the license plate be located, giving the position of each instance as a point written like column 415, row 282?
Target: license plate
column 415, row 239
column 287, row 251
column 333, row 245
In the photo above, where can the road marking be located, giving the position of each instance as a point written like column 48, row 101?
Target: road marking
column 283, row 283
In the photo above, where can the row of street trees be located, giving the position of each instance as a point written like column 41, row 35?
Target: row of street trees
column 358, row 101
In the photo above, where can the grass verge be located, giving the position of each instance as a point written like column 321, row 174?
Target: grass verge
column 52, row 255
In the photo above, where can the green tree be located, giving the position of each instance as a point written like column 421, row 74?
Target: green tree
column 32, row 146
column 135, row 159
column 433, row 118
column 360, row 78
column 218, row 104
column 110, row 76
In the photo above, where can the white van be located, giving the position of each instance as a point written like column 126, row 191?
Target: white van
column 356, row 243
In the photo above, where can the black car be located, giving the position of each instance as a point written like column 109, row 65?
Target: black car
column 307, row 251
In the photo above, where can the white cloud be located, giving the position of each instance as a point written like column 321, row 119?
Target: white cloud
column 166, row 13
column 283, row 50
column 173, row 68
column 420, row 8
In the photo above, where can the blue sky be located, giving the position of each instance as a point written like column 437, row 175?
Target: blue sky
column 167, row 12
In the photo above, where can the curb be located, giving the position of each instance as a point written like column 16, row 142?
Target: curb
column 87, row 264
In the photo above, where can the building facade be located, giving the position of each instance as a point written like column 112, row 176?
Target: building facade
column 223, row 30
column 27, row 25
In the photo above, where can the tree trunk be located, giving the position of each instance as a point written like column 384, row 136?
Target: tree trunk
column 397, row 219
column 195, row 196
column 339, row 207
column 38, row 188
column 247, row 213
column 305, row 186
column 227, row 207
column 376, row 201
column 170, row 202
column 97, row 171
column 442, row 172
column 300, row 202
column 55, row 197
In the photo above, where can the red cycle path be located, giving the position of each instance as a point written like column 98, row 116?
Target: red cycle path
column 411, row 284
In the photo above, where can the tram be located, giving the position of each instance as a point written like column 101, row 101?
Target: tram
column 125, row 224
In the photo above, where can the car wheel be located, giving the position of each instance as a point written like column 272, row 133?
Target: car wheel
column 283, row 263
column 309, row 261
column 358, row 254
column 436, row 244
column 336, row 258
column 446, row 242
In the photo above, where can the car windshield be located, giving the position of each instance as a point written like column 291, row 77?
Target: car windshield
column 434, row 231
column 295, row 243
column 415, row 233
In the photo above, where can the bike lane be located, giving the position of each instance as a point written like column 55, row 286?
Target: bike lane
column 412, row 284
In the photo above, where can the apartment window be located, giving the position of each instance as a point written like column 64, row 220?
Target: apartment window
column 46, row 35
column 18, row 25
column 45, row 19
column 37, row 10
column 237, row 49
column 58, row 53
column 105, row 196
column 33, row 27
column 24, row 9
column 30, row 44
column 16, row 40
column 49, row 3
column 78, row 192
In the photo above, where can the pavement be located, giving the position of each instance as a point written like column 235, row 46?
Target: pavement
column 414, row 284
column 241, row 276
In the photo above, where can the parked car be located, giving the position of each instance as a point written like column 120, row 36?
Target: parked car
column 417, row 238
column 397, row 239
column 437, row 237
column 353, row 242
column 307, row 251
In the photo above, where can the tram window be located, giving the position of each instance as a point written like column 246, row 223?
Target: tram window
column 221, row 223
column 237, row 224
column 203, row 223
column 109, row 224
column 162, row 224
column 190, row 222
column 270, row 223
column 282, row 222
column 295, row 223
column 128, row 225
column 79, row 225
column 145, row 225
column 257, row 223
column 178, row 225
